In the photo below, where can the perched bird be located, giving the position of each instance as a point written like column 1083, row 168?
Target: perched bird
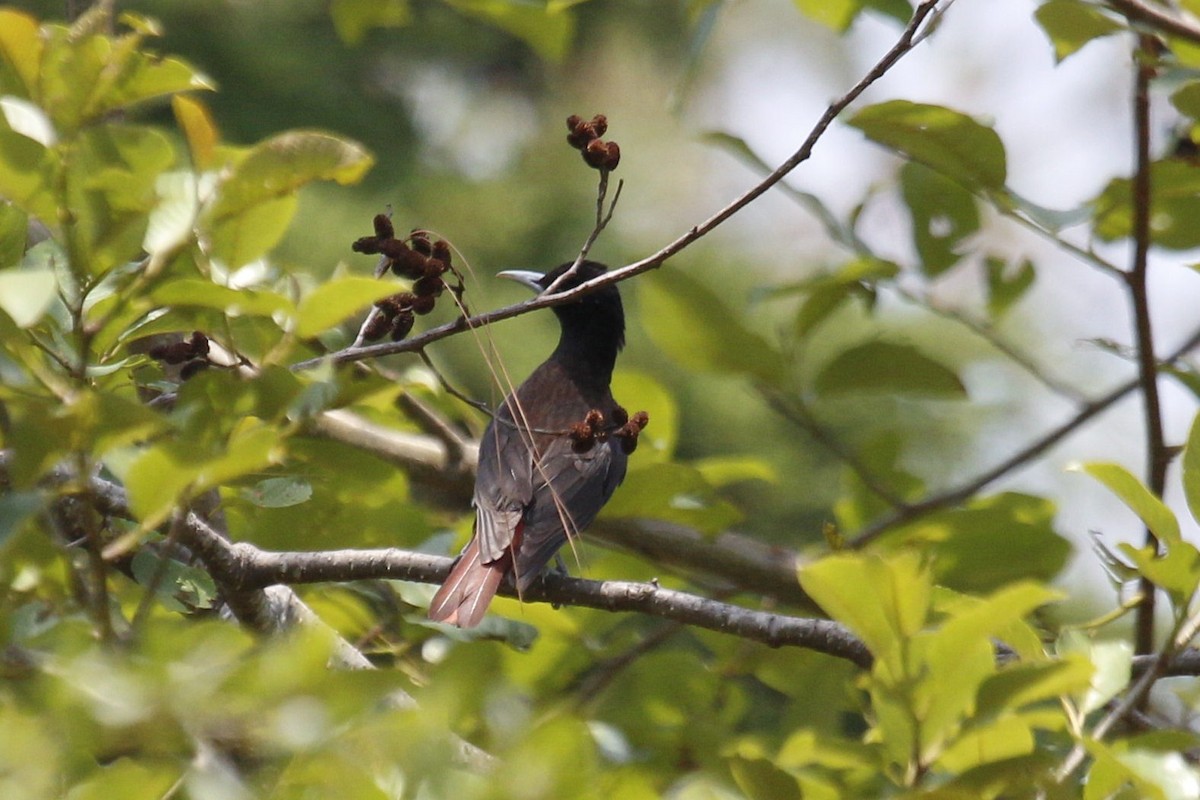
column 537, row 486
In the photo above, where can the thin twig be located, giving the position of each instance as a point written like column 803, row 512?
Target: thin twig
column 602, row 220
column 1031, row 451
column 1157, row 455
column 450, row 389
column 1157, row 18
column 902, row 46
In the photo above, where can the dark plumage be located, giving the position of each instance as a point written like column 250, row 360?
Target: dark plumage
column 535, row 487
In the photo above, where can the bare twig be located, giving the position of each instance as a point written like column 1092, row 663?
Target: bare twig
column 1158, row 457
column 1157, row 18
column 952, row 497
column 602, row 220
column 902, row 46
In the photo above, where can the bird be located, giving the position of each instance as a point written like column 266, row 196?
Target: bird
column 537, row 486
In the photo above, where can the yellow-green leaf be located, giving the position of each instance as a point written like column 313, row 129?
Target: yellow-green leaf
column 334, row 301
column 888, row 368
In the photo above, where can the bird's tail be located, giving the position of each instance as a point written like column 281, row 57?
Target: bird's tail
column 469, row 589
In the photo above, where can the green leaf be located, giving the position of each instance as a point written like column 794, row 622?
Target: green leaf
column 1111, row 667
column 26, row 294
column 195, row 292
column 14, row 224
column 1004, row 289
column 943, row 214
column 111, row 191
column 1025, row 683
column 258, row 199
column 170, row 471
column 991, row 542
column 694, row 327
column 20, row 52
column 198, row 128
column 1070, row 24
column 1174, row 207
column 893, row 611
column 947, row 141
column 334, row 301
column 16, row 508
column 278, row 492
column 1186, row 99
column 27, row 172
column 884, row 367
column 1134, row 494
column 1191, row 469
column 1176, row 571
column 547, row 29
column 835, row 14
column 759, row 779
column 353, row 18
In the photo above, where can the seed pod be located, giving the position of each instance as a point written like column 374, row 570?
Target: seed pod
column 402, row 324
column 368, row 245
column 410, row 264
column 419, row 240
column 441, row 251
column 380, row 324
column 192, row 367
column 198, row 343
column 423, row 304
column 582, row 437
column 383, row 226
column 599, row 124
column 429, row 286
column 612, row 156
column 595, row 153
column 393, row 248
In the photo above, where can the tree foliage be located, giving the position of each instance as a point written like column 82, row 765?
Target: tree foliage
column 221, row 510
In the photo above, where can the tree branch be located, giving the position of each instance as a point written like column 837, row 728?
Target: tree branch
column 1157, row 18
column 902, row 46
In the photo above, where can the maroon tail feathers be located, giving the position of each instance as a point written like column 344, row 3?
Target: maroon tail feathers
column 469, row 589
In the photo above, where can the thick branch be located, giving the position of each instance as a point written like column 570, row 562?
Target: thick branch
column 1157, row 18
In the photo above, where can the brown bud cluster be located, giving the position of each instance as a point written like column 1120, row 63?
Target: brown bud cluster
column 585, row 136
column 584, row 435
column 420, row 258
column 630, row 429
column 192, row 353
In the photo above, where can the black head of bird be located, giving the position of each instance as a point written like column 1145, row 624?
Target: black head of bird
column 535, row 488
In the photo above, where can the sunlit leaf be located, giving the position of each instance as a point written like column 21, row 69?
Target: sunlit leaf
column 1134, row 494
column 20, row 51
column 198, row 128
column 26, row 294
column 332, row 302
column 234, row 302
column 548, row 30
column 354, row 18
column 1111, row 666
column 13, row 226
column 27, row 172
column 885, row 617
column 1191, row 469
column 724, row 470
column 279, row 492
column 947, row 141
column 888, row 368
column 1070, row 24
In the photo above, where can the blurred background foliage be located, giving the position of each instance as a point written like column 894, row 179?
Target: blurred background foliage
column 803, row 312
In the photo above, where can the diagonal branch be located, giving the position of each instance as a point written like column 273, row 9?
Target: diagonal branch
column 903, row 45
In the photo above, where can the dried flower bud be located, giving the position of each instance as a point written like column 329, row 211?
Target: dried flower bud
column 383, row 227
column 420, row 242
column 435, row 267
column 599, row 124
column 429, row 286
column 402, row 324
column 441, row 251
column 172, row 353
column 393, row 248
column 379, row 324
column 199, row 343
column 640, row 420
column 573, row 122
column 594, row 420
column 595, row 153
column 423, row 304
column 628, row 434
column 192, row 367
column 612, row 156
column 410, row 264
column 582, row 437
column 368, row 245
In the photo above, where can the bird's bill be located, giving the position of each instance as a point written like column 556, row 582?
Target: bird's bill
column 524, row 277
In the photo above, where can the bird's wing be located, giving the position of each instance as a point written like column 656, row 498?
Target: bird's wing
column 570, row 489
column 503, row 486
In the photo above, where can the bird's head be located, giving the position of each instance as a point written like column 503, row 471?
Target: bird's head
column 594, row 320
